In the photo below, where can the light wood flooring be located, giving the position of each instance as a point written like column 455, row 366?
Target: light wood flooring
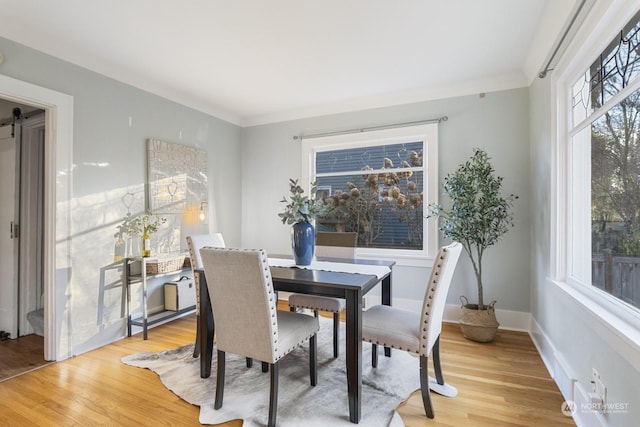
column 503, row 383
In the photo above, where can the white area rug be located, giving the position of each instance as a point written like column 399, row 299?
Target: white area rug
column 246, row 393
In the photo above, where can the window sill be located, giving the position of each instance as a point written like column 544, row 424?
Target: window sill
column 617, row 324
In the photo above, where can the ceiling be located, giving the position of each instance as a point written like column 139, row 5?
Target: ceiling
column 255, row 61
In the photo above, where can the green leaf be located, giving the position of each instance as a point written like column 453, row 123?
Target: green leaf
column 479, row 215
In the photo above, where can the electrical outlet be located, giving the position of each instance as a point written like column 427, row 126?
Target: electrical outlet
column 597, row 386
column 601, row 389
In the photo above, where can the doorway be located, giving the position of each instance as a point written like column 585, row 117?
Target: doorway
column 21, row 248
column 57, row 204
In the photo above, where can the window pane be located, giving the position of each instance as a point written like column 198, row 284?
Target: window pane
column 580, row 105
column 376, row 191
column 615, row 200
column 616, row 67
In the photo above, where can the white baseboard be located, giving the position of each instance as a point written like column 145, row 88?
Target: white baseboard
column 544, row 346
column 554, row 362
column 571, row 389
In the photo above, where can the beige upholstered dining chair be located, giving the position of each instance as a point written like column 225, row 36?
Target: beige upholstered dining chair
column 194, row 244
column 412, row 331
column 336, row 245
column 246, row 316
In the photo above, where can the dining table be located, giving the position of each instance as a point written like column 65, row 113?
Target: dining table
column 350, row 279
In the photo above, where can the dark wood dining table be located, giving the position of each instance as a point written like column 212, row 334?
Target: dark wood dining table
column 350, row 286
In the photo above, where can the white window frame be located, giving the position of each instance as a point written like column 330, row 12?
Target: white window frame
column 428, row 133
column 621, row 322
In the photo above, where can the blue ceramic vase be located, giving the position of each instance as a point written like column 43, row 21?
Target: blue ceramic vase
column 303, row 238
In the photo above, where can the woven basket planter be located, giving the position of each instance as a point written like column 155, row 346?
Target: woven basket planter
column 478, row 325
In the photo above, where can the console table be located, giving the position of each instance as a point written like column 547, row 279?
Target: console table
column 135, row 271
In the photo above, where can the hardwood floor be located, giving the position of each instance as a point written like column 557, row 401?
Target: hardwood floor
column 501, row 383
column 21, row 355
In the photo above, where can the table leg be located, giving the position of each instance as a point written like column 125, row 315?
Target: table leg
column 386, row 300
column 127, row 266
column 206, row 328
column 354, row 352
column 145, row 309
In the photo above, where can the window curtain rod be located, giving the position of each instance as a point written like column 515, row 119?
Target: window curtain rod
column 396, row 125
column 542, row 74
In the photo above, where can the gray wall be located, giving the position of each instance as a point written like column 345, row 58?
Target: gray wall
column 109, row 159
column 571, row 339
column 497, row 122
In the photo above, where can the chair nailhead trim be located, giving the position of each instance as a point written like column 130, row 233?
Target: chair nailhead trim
column 315, row 308
column 392, row 346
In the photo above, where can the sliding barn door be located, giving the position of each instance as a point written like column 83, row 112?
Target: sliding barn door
column 8, row 233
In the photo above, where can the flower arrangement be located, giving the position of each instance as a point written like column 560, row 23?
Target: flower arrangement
column 301, row 208
column 142, row 225
column 145, row 224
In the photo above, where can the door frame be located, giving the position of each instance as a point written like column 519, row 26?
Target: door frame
column 58, row 192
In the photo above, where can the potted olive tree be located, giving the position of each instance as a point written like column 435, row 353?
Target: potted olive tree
column 478, row 216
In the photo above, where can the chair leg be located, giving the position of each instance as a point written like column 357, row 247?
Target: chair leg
column 196, row 348
column 424, row 386
column 336, row 333
column 292, row 308
column 220, row 380
column 249, row 362
column 315, row 313
column 273, row 394
column 313, row 360
column 265, row 367
column 435, row 354
column 374, row 355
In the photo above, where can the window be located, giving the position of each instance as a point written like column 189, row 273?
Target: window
column 378, row 184
column 603, row 157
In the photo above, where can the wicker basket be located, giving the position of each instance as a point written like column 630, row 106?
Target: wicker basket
column 187, row 262
column 479, row 325
column 165, row 265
